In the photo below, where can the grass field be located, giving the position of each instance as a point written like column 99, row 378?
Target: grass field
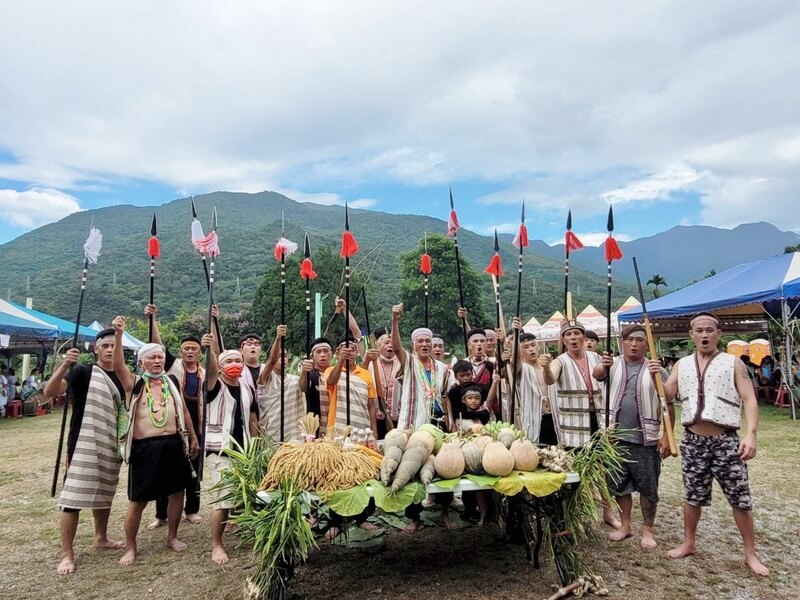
column 466, row 563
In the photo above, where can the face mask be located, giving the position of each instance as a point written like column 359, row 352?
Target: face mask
column 233, row 371
column 149, row 375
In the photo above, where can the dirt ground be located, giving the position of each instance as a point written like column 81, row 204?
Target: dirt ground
column 466, row 563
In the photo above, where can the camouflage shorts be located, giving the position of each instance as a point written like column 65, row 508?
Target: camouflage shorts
column 717, row 457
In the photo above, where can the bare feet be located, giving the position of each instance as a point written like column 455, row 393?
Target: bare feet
column 176, row 545
column 367, row 526
column 66, row 566
column 756, row 566
column 412, row 527
column 156, row 523
column 108, row 544
column 648, row 542
column 623, row 533
column 128, row 558
column 231, row 527
column 609, row 518
column 448, row 522
column 218, row 555
column 194, row 519
column 332, row 533
column 682, row 551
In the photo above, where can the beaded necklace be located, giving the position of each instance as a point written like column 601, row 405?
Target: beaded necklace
column 164, row 407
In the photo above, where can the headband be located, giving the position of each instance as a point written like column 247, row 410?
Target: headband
column 147, row 350
column 476, row 333
column 229, row 353
column 436, row 338
column 420, row 331
column 320, row 345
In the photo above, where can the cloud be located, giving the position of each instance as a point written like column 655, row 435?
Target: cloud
column 593, row 238
column 659, row 186
column 490, row 229
column 327, row 198
column 36, row 207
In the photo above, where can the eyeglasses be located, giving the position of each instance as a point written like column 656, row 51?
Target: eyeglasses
column 251, row 343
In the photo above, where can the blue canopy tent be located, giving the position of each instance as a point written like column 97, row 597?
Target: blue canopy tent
column 128, row 341
column 65, row 329
column 739, row 297
column 14, row 322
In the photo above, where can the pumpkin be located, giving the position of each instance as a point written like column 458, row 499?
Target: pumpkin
column 482, row 441
column 526, row 457
column 497, row 459
column 449, row 463
column 507, row 436
column 473, row 455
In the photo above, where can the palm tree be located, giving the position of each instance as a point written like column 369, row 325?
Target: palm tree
column 656, row 281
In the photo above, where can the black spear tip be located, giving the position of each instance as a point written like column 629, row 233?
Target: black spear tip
column 452, row 206
column 569, row 219
column 610, row 224
column 214, row 219
column 346, row 218
column 153, row 226
column 194, row 209
column 496, row 242
column 522, row 217
column 306, row 248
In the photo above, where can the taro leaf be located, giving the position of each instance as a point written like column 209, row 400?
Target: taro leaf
column 349, row 502
column 484, row 480
column 542, row 483
column 411, row 493
column 447, row 484
column 510, row 485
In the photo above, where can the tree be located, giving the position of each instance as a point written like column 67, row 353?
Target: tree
column 443, row 299
column 657, row 281
column 266, row 310
column 790, row 249
column 710, row 273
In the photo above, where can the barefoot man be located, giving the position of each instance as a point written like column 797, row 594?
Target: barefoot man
column 159, row 442
column 92, row 457
column 712, row 386
column 636, row 411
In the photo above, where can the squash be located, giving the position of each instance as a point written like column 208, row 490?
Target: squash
column 482, row 441
column 497, row 460
column 473, row 455
column 526, row 457
column 507, row 436
column 449, row 463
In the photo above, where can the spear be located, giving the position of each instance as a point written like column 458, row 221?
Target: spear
column 452, row 230
column 208, row 246
column 571, row 242
column 495, row 269
column 349, row 248
column 425, row 269
column 520, row 241
column 307, row 273
column 197, row 234
column 613, row 253
column 283, row 249
column 91, row 252
column 662, row 396
column 154, row 250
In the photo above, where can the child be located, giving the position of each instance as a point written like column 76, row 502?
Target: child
column 474, row 413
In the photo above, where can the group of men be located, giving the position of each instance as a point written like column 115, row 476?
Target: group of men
column 152, row 420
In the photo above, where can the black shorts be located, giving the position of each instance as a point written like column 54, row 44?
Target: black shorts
column 158, row 466
column 639, row 474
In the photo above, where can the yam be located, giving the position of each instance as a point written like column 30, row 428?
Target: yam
column 413, row 458
column 428, row 471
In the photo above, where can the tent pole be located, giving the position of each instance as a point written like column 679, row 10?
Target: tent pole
column 787, row 357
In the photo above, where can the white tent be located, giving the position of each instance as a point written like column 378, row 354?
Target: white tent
column 531, row 326
column 550, row 329
column 128, row 341
column 629, row 304
column 592, row 319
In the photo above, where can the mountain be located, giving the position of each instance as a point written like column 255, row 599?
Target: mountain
column 684, row 254
column 50, row 258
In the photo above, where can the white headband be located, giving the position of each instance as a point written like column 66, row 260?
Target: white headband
column 228, row 354
column 147, row 350
column 420, row 331
column 437, row 339
column 320, row 345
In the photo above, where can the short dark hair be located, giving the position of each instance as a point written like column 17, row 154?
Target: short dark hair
column 462, row 366
column 250, row 336
column 321, row 340
column 589, row 334
column 108, row 332
column 526, row 337
column 705, row 314
column 381, row 331
column 191, row 338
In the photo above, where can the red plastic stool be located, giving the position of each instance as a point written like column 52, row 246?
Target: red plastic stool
column 780, row 399
column 14, row 409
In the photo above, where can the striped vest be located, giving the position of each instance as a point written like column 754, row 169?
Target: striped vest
column 219, row 425
column 646, row 399
column 573, row 400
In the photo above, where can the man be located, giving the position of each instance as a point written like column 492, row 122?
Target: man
column 3, row 391
column 232, row 415
column 159, row 442
column 636, row 411
column 590, row 340
column 362, row 391
column 490, row 348
column 385, row 368
column 537, row 400
column 269, row 401
column 312, row 383
column 422, row 397
column 250, row 349
column 481, row 365
column 189, row 374
column 93, row 459
column 580, row 396
column 437, row 347
column 712, row 386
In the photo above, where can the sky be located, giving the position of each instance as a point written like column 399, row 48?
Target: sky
column 675, row 112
